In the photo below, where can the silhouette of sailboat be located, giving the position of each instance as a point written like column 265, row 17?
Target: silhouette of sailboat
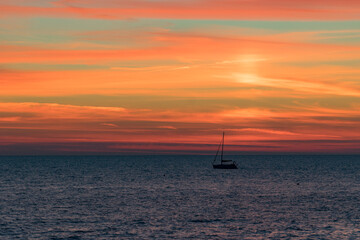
column 224, row 164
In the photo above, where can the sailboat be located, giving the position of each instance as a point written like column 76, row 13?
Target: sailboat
column 224, row 164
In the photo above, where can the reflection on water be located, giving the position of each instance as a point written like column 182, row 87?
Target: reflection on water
column 164, row 197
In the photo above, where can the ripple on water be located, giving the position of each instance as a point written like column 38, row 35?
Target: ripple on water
column 179, row 197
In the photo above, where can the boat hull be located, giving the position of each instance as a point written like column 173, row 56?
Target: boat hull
column 224, row 166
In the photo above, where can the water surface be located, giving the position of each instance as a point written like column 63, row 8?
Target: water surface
column 181, row 197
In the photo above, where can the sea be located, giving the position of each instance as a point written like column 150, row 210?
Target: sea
column 179, row 197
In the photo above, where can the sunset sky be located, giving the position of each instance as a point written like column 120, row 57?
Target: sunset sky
column 168, row 76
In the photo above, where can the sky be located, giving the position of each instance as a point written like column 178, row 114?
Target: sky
column 169, row 76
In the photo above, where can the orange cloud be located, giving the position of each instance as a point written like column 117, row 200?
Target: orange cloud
column 256, row 129
column 177, row 86
column 203, row 9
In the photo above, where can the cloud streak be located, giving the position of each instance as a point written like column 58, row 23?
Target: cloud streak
column 202, row 9
column 88, row 76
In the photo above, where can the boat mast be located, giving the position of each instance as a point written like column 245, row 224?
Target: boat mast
column 222, row 146
column 217, row 152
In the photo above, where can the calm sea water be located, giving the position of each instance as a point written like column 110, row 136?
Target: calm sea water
column 181, row 197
